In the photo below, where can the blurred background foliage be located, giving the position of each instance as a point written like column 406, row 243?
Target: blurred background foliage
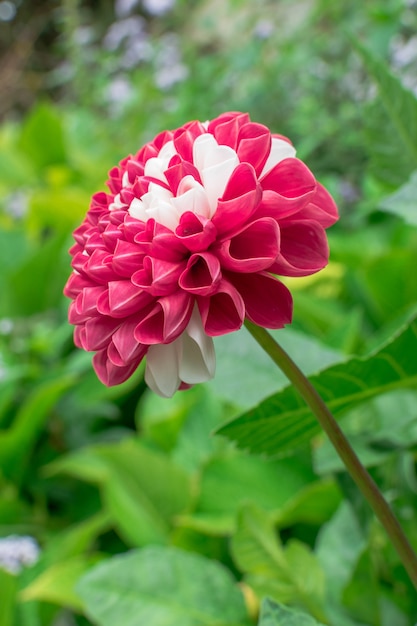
column 92, row 472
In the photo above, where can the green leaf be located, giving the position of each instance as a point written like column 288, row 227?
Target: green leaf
column 9, row 587
column 273, row 614
column 157, row 585
column 244, row 374
column 57, row 583
column 16, row 443
column 339, row 546
column 291, row 574
column 283, row 423
column 400, row 105
column 228, row 482
column 403, row 202
column 42, row 137
column 142, row 489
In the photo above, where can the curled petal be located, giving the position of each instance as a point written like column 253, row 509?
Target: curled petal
column 165, row 320
column 158, row 277
column 254, row 249
column 127, row 258
column 178, row 171
column 321, row 208
column 202, row 274
column 98, row 332
column 240, row 200
column 124, row 348
column 304, row 249
column 226, row 127
column 195, row 231
column 184, row 139
column 254, row 145
column 197, row 361
column 165, row 245
column 85, row 305
column 111, row 374
column 222, row 312
column 281, row 148
column 98, row 266
column 268, row 302
column 290, row 178
column 76, row 283
column 161, row 374
column 122, row 299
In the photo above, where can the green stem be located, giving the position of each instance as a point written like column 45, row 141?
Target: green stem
column 355, row 468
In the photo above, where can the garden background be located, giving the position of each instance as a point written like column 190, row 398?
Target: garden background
column 140, row 513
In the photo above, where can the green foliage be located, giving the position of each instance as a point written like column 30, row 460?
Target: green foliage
column 142, row 513
column 142, row 586
column 283, row 422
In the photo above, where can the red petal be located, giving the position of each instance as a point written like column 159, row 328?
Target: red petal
column 222, row 312
column 202, row 274
column 254, row 145
column 175, row 173
column 158, row 277
column 290, row 178
column 254, row 249
column 225, row 128
column 304, row 249
column 165, row 320
column 268, row 302
column 98, row 332
column 184, row 139
column 123, row 299
column 124, row 348
column 240, row 200
column 321, row 208
column 110, row 374
column 127, row 258
column 195, row 231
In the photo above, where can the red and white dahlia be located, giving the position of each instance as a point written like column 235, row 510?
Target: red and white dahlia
column 188, row 243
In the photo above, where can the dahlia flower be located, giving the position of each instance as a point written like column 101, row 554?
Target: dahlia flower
column 189, row 243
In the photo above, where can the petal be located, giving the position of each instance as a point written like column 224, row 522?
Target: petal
column 128, row 349
column 197, row 362
column 322, row 208
column 195, row 232
column 110, row 374
column 161, row 374
column 254, row 249
column 290, row 178
column 98, row 332
column 184, row 139
column 240, row 200
column 268, row 302
column 176, row 173
column 222, row 312
column 226, row 127
column 123, row 299
column 191, row 197
column 127, row 258
column 254, row 145
column 165, row 320
column 280, row 149
column 304, row 249
column 158, row 277
column 202, row 274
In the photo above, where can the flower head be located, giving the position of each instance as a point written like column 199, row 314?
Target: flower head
column 188, row 244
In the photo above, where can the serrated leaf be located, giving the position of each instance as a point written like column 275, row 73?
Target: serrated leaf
column 157, row 585
column 283, row 422
column 403, row 202
column 273, row 614
column 400, row 105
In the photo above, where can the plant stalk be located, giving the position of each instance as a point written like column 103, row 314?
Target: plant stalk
column 363, row 480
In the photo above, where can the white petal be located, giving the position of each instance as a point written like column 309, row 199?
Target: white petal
column 197, row 358
column 280, row 150
column 137, row 209
column 161, row 374
column 215, row 179
column 191, row 196
column 156, row 166
column 125, row 179
column 116, row 204
column 201, row 146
